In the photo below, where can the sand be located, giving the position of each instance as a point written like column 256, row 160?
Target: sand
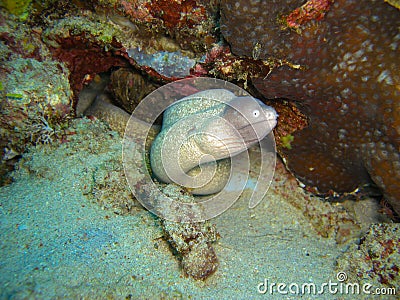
column 57, row 241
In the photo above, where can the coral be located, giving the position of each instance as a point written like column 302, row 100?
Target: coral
column 40, row 131
column 221, row 63
column 246, row 24
column 25, row 77
column 34, row 113
column 311, row 10
column 36, row 103
column 327, row 219
column 169, row 64
column 95, row 39
column 35, row 107
column 286, row 141
column 376, row 260
column 35, row 92
column 89, row 26
column 84, row 60
column 346, row 85
column 162, row 39
column 129, row 88
column 290, row 119
column 192, row 241
column 190, row 22
column 18, row 40
column 81, row 43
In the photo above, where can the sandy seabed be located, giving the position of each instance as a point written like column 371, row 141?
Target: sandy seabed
column 58, row 242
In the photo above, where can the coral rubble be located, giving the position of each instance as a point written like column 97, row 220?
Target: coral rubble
column 346, row 84
column 191, row 23
column 35, row 92
column 376, row 261
column 221, row 63
column 162, row 39
column 129, row 88
column 192, row 241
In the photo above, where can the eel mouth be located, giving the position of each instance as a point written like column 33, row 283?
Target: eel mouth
column 250, row 136
column 250, row 130
column 271, row 122
column 244, row 129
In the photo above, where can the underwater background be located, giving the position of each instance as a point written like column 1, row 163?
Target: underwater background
column 72, row 72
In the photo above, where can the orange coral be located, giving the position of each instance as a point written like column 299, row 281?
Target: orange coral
column 311, row 10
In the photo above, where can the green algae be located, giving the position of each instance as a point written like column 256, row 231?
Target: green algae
column 14, row 96
column 19, row 8
column 94, row 28
column 31, row 80
column 24, row 42
column 287, row 140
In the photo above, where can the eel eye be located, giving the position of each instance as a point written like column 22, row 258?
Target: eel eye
column 256, row 113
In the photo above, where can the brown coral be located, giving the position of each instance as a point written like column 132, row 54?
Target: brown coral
column 376, row 260
column 129, row 88
column 347, row 87
column 192, row 241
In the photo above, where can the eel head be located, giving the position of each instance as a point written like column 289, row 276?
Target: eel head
column 243, row 123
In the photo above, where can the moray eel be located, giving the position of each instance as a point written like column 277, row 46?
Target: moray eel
column 198, row 130
column 201, row 132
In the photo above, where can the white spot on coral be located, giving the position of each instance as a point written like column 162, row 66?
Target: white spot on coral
column 385, row 76
column 351, row 68
column 345, row 93
column 394, row 45
column 342, row 134
column 365, row 78
column 347, row 56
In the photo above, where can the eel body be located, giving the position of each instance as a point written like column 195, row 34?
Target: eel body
column 201, row 132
